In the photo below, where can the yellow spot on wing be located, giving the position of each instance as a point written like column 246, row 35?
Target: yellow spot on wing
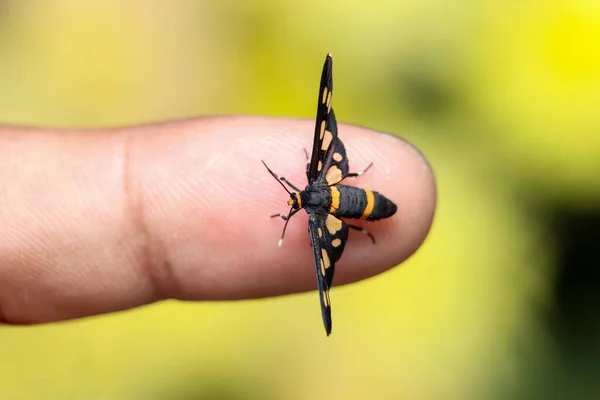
column 326, row 301
column 334, row 175
column 322, row 267
column 327, row 138
column 370, row 204
column 335, row 199
column 324, row 95
column 329, row 102
column 333, row 224
column 320, row 232
column 320, row 165
column 322, row 130
column 336, row 242
column 325, row 258
column 337, row 157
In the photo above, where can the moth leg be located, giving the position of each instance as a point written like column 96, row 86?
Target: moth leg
column 363, row 231
column 286, row 218
column 282, row 216
column 290, row 184
column 359, row 173
column 282, row 179
column 307, row 160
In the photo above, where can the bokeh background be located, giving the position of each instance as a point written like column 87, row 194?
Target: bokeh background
column 503, row 299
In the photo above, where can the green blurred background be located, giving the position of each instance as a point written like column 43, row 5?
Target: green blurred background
column 501, row 302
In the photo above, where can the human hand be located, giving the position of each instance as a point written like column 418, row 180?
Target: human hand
column 105, row 220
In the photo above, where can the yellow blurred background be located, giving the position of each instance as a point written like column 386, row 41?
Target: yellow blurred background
column 502, row 97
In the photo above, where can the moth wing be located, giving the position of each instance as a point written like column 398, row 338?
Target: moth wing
column 328, row 160
column 334, row 166
column 328, row 236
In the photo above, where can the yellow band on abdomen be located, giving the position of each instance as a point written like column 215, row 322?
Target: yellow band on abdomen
column 370, row 204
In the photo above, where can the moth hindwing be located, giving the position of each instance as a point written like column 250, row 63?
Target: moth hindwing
column 327, row 201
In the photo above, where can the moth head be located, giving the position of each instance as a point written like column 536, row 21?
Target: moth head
column 295, row 201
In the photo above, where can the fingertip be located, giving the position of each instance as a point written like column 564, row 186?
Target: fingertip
column 396, row 169
column 200, row 197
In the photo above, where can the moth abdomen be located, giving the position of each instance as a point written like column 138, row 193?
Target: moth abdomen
column 383, row 208
column 357, row 203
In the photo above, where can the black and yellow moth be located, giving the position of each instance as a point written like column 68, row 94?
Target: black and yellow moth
column 326, row 200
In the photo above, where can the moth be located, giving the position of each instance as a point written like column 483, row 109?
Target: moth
column 326, row 200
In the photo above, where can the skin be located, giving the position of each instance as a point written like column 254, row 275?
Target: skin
column 105, row 220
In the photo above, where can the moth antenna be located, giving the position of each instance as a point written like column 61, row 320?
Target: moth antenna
column 280, row 243
column 276, row 178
